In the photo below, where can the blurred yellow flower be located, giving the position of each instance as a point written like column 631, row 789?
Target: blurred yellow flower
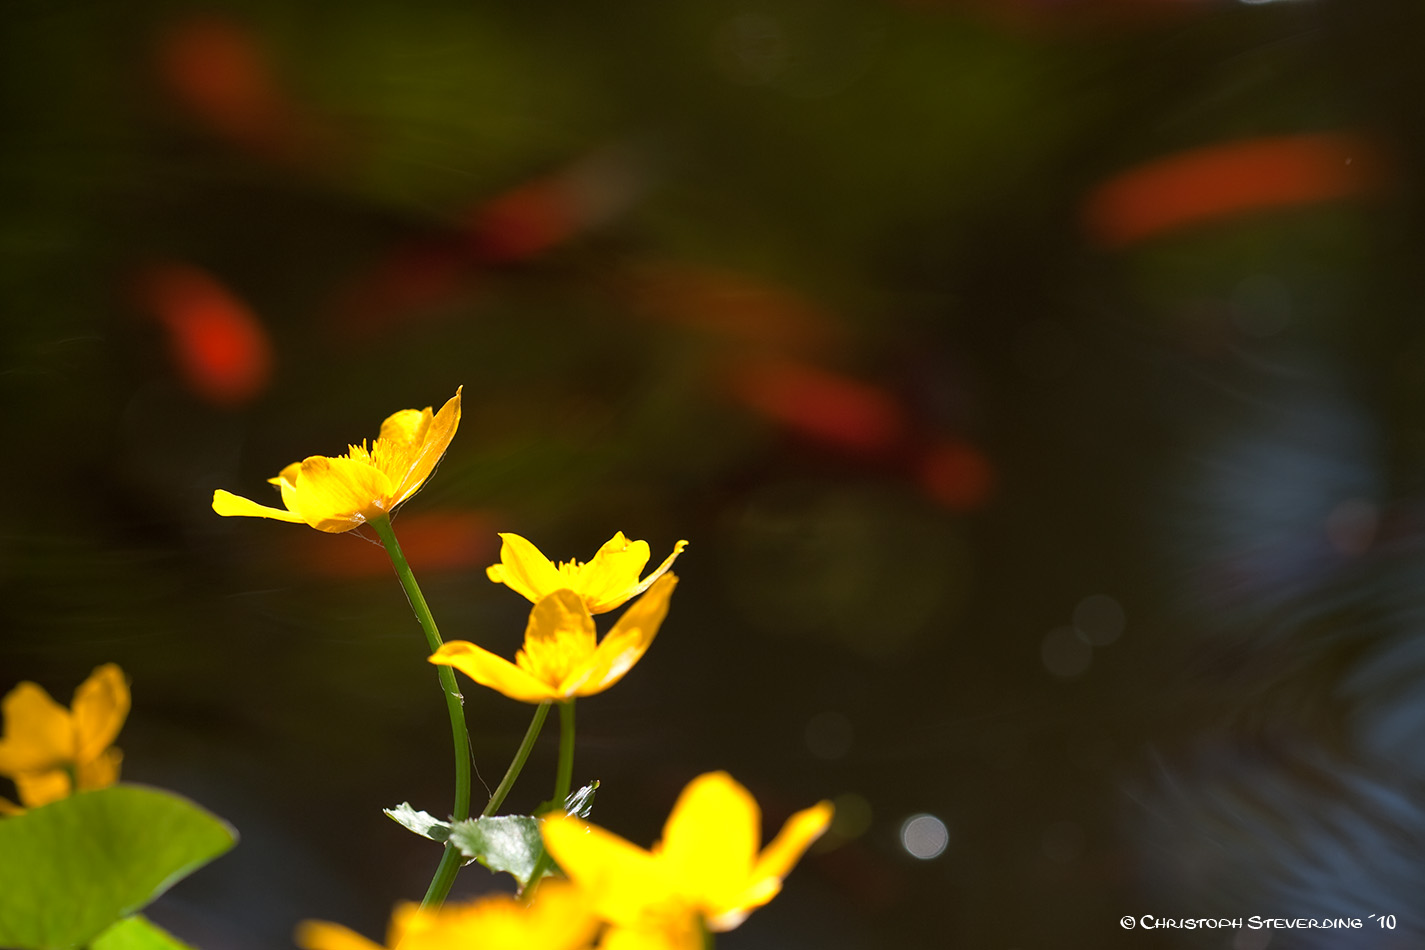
column 561, row 658
column 49, row 751
column 559, row 919
column 705, row 872
column 344, row 492
column 609, row 579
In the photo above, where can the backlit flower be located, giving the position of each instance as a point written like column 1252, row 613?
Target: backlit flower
column 558, row 919
column 607, row 580
column 336, row 494
column 50, row 752
column 706, row 869
column 562, row 657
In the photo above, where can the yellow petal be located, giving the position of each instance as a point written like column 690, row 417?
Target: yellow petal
column 406, row 919
column 286, row 482
column 338, row 494
column 775, row 862
column 428, row 438
column 407, row 427
column 41, row 788
column 487, row 669
column 558, row 919
column 624, row 883
column 798, row 834
column 678, row 932
column 710, row 840
column 630, row 638
column 39, row 732
column 644, row 584
column 524, row 569
column 229, row 505
column 610, row 579
column 8, row 807
column 100, row 772
column 558, row 642
column 320, row 935
column 101, row 703
column 610, row 575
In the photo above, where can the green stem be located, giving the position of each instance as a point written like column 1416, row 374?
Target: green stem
column 521, row 756
column 454, row 703
column 565, row 773
column 562, row 778
column 707, row 934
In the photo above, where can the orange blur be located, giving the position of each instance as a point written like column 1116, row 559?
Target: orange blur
column 218, row 70
column 431, row 540
column 734, row 306
column 1220, row 182
column 818, row 403
column 956, row 474
column 218, row 345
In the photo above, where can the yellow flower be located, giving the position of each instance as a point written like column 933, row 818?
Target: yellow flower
column 559, row 919
column 609, row 579
column 706, row 869
column 50, row 752
column 561, row 658
column 344, row 492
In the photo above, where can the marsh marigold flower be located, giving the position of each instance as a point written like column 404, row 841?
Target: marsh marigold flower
column 562, row 657
column 606, row 581
column 336, row 494
column 49, row 751
column 707, row 867
column 558, row 919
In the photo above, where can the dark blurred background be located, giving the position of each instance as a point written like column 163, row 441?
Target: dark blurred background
column 1038, row 383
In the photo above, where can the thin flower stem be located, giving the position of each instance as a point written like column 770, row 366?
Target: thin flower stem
column 513, row 772
column 451, row 860
column 562, row 778
column 565, row 773
column 706, row 933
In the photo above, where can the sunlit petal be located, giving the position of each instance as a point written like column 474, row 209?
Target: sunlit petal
column 559, row 642
column 710, row 840
column 407, row 427
column 677, row 932
column 431, row 437
column 630, row 638
column 612, row 572
column 493, row 671
column 336, row 494
column 558, row 919
column 624, row 883
column 798, row 834
column 647, row 582
column 320, row 935
column 39, row 732
column 406, row 919
column 100, row 771
column 101, row 703
column 227, row 504
column 41, row 788
column 524, row 569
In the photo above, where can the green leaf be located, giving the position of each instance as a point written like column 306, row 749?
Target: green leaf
column 509, row 843
column 502, row 843
column 422, row 823
column 137, row 933
column 71, row 868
